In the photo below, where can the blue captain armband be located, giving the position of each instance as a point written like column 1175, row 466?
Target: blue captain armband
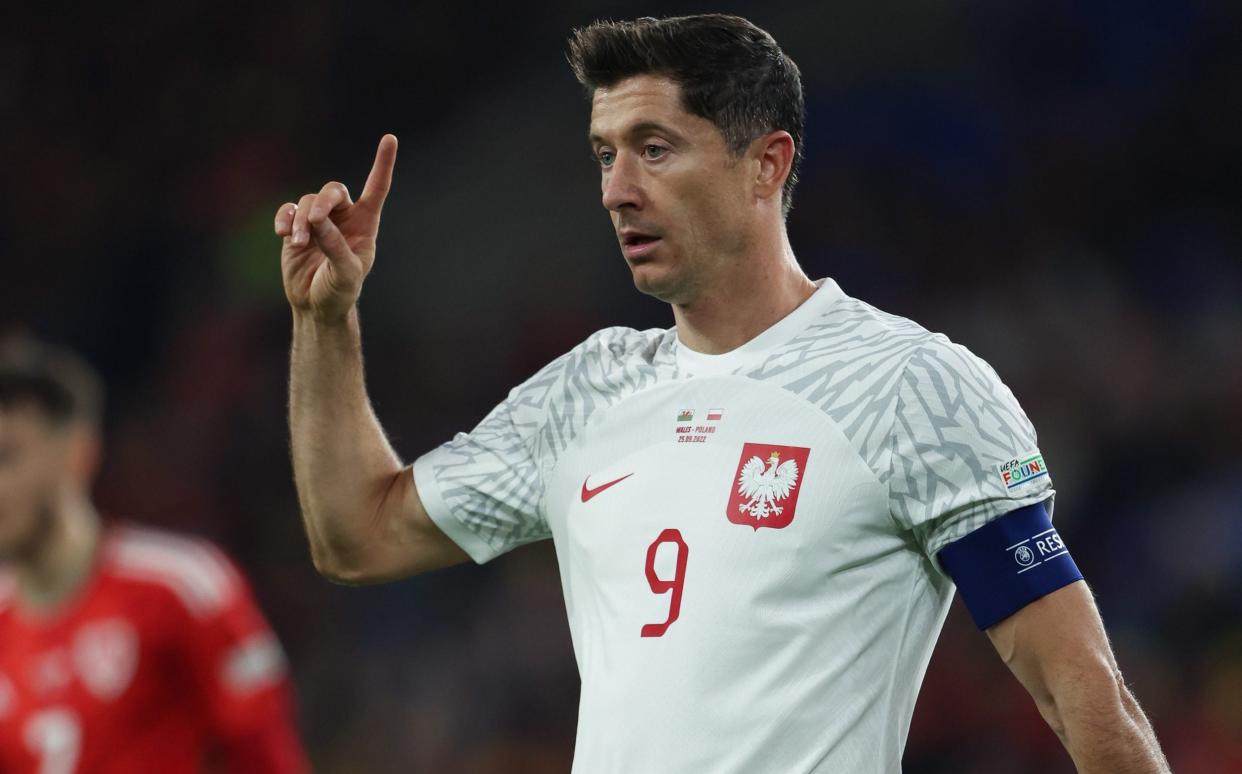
column 1009, row 563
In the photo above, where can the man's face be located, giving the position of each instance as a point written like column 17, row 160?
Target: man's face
column 678, row 198
column 35, row 461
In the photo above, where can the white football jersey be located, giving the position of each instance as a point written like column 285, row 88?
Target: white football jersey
column 746, row 541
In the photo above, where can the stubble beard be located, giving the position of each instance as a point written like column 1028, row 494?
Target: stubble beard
column 679, row 284
column 27, row 547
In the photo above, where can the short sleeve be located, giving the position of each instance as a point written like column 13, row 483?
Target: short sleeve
column 963, row 451
column 241, row 673
column 484, row 489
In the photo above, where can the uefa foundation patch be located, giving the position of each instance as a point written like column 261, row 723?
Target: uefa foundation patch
column 1022, row 470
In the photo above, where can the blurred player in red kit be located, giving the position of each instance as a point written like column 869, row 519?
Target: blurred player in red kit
column 121, row 649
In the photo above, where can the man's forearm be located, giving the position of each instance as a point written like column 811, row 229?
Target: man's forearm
column 1105, row 730
column 342, row 463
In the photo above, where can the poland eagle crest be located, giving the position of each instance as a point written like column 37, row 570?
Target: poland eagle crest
column 766, row 485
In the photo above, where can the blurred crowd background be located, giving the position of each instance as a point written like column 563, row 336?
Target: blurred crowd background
column 1054, row 184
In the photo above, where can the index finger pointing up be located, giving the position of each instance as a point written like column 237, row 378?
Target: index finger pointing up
column 380, row 179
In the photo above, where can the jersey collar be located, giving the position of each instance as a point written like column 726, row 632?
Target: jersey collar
column 693, row 363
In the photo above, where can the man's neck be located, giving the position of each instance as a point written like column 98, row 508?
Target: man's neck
column 736, row 308
column 58, row 567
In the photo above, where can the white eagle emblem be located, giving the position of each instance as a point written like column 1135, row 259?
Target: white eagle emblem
column 765, row 486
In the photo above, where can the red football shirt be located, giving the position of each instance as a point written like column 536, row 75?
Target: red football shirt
column 162, row 657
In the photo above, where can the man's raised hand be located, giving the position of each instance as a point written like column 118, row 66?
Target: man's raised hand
column 329, row 240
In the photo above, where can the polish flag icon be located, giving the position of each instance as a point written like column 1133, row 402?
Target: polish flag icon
column 766, row 485
column 714, row 414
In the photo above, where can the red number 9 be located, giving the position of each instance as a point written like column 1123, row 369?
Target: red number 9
column 660, row 586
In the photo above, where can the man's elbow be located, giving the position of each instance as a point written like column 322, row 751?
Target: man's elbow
column 341, row 573
column 342, row 566
column 385, row 546
column 358, row 567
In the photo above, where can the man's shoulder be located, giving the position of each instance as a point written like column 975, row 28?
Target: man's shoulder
column 620, row 344
column 609, row 359
column 855, row 324
column 856, row 362
column 557, row 401
column 191, row 572
column 851, row 341
column 854, row 331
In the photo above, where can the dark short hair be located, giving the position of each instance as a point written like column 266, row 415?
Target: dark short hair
column 57, row 382
column 730, row 72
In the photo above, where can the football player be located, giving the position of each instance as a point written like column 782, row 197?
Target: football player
column 761, row 513
column 123, row 650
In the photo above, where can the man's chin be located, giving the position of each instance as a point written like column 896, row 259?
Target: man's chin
column 26, row 541
column 658, row 282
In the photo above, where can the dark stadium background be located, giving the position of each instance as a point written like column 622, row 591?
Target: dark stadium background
column 1053, row 184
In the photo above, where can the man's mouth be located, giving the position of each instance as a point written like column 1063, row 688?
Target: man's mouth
column 637, row 243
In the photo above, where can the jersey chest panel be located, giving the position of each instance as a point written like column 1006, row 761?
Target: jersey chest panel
column 755, row 564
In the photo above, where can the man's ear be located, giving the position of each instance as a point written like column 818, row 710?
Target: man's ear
column 774, row 152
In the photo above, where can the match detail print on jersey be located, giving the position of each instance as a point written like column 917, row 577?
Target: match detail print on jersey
column 766, row 485
column 588, row 493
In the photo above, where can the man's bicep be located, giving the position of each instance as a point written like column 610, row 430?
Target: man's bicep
column 1057, row 648
column 1057, row 639
column 437, row 548
column 408, row 541
column 398, row 538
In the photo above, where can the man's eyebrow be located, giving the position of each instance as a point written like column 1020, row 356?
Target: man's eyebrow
column 642, row 127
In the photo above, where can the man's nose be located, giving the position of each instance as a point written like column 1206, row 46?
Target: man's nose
column 621, row 185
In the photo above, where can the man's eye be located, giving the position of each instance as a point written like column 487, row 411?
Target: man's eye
column 605, row 157
column 654, row 151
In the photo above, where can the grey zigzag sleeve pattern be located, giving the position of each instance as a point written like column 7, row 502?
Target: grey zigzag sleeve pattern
column 485, row 488
column 955, row 424
column 849, row 365
column 490, row 479
column 930, row 419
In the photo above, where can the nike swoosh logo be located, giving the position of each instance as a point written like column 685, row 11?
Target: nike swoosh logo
column 588, row 493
